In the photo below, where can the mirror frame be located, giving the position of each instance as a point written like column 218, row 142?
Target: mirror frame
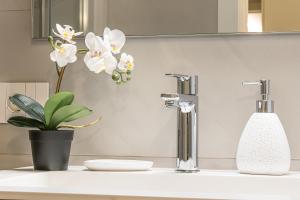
column 173, row 35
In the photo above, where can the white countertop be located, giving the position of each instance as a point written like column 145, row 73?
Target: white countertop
column 78, row 183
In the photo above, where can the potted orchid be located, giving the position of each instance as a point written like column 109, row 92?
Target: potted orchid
column 52, row 137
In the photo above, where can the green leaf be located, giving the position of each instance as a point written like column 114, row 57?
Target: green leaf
column 21, row 121
column 55, row 102
column 68, row 113
column 29, row 106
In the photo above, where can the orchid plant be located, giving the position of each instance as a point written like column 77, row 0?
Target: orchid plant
column 101, row 54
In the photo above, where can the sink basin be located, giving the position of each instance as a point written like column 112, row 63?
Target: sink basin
column 158, row 183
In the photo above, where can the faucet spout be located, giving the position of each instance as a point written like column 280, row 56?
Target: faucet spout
column 171, row 100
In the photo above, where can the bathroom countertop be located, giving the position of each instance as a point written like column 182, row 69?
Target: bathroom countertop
column 79, row 183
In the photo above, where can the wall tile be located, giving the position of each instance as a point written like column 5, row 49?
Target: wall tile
column 3, row 102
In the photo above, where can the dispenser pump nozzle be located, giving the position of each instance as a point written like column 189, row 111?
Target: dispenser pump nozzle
column 265, row 105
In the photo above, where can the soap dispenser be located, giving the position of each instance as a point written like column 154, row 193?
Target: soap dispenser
column 263, row 146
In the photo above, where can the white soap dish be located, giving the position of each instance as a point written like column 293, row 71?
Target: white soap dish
column 118, row 165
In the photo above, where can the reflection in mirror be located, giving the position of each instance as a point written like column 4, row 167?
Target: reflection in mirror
column 167, row 17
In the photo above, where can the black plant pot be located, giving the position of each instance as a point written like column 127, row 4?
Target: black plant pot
column 51, row 149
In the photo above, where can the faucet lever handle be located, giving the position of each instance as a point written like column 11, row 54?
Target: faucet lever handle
column 179, row 76
column 186, row 84
column 264, row 87
column 245, row 83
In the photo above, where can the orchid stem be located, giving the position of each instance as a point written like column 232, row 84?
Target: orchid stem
column 60, row 77
column 82, row 51
column 57, row 69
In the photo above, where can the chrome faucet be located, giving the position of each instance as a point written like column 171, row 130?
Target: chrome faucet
column 186, row 102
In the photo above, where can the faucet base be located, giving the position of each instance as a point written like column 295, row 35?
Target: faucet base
column 187, row 166
column 187, row 171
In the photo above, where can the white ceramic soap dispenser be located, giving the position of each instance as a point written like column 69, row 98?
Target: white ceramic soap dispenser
column 263, row 147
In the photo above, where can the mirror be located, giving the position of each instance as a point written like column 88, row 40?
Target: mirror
column 167, row 17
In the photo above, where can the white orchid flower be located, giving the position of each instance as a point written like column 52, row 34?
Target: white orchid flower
column 115, row 38
column 64, row 54
column 126, row 62
column 66, row 33
column 99, row 57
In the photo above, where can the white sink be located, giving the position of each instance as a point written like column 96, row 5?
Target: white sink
column 159, row 183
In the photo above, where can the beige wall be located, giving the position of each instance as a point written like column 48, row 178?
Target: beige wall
column 135, row 123
column 281, row 16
